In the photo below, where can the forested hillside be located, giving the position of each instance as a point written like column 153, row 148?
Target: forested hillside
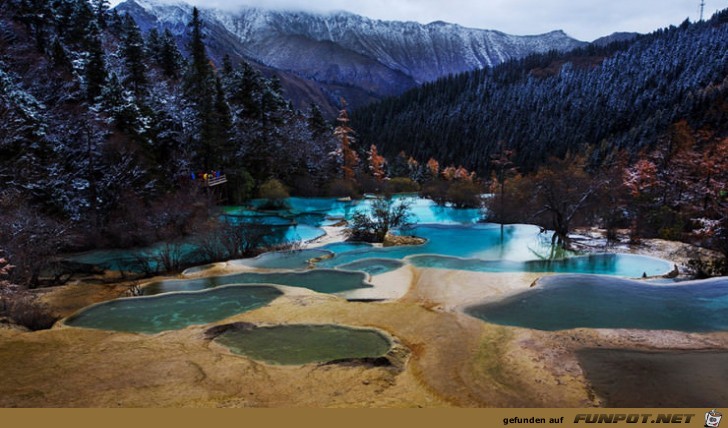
column 102, row 127
column 105, row 132
column 596, row 99
column 631, row 135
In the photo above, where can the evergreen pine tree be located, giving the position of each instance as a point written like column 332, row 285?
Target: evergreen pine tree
column 316, row 122
column 169, row 57
column 95, row 70
column 100, row 8
column 134, row 57
column 199, row 80
column 153, row 45
column 223, row 125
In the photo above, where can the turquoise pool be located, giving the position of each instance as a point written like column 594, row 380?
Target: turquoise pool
column 373, row 266
column 626, row 265
column 488, row 248
column 573, row 301
column 188, row 253
column 173, row 311
column 423, row 210
column 293, row 260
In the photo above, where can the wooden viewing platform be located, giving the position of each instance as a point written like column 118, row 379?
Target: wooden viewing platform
column 215, row 181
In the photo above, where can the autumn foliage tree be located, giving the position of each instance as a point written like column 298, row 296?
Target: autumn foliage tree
column 555, row 197
column 344, row 133
column 376, row 164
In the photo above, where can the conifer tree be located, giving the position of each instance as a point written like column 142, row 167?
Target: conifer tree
column 199, row 80
column 200, row 93
column 95, row 70
column 169, row 58
column 222, row 124
column 100, row 7
column 134, row 57
column 316, row 122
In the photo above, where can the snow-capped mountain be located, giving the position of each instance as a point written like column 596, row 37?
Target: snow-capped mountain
column 346, row 54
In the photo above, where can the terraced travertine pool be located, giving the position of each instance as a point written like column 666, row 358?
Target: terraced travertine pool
column 303, row 344
column 321, row 281
column 173, row 311
column 565, row 302
column 454, row 241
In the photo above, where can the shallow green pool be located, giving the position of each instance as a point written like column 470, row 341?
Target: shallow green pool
column 303, row 344
column 320, row 280
column 173, row 311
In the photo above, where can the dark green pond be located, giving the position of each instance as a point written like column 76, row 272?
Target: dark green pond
column 303, row 344
column 173, row 311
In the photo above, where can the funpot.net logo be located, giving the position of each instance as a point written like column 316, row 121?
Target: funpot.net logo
column 712, row 419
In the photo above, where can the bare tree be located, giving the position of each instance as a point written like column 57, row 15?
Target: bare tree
column 385, row 214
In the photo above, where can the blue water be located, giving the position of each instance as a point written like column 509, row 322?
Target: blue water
column 147, row 259
column 345, row 247
column 484, row 241
column 301, row 221
column 173, row 311
column 423, row 210
column 373, row 266
column 626, row 265
column 573, row 301
column 293, row 260
column 320, row 280
column 301, row 233
column 487, row 248
column 454, row 241
column 138, row 259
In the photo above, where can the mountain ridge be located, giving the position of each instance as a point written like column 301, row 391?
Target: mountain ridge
column 343, row 54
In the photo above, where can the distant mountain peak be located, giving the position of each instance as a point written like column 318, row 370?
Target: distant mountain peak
column 615, row 37
column 341, row 51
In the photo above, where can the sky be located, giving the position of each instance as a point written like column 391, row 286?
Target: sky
column 582, row 19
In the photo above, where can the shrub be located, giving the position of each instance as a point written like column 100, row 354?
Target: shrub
column 275, row 193
column 702, row 269
column 385, row 214
column 240, row 186
column 402, row 185
column 25, row 310
column 343, row 188
column 464, row 194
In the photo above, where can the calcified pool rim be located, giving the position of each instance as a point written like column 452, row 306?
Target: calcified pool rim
column 363, row 278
